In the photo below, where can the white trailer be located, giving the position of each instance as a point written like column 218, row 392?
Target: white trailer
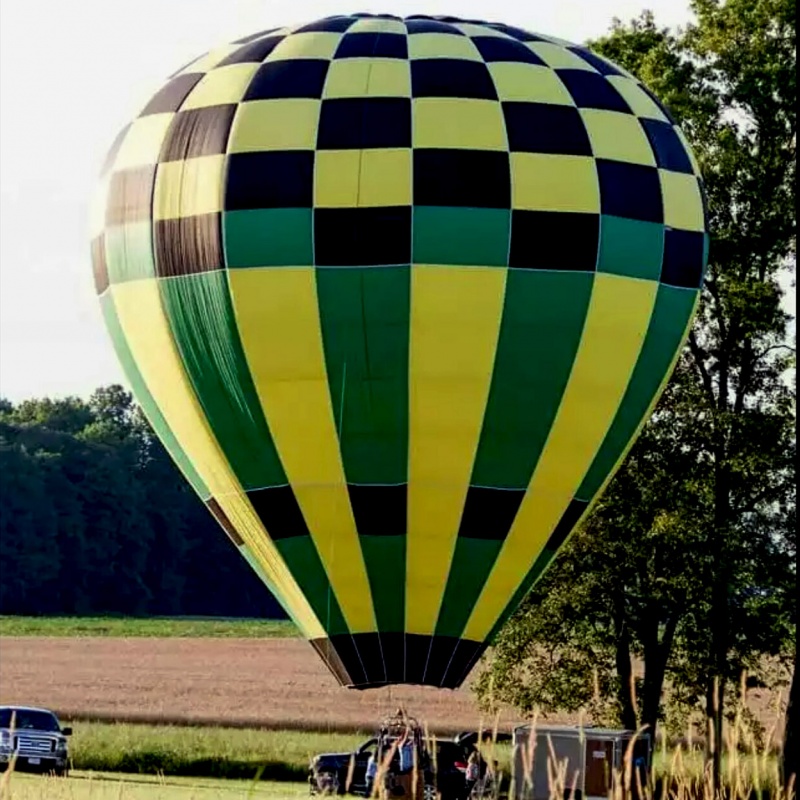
column 585, row 757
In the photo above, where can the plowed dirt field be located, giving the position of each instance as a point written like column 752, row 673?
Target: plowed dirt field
column 271, row 682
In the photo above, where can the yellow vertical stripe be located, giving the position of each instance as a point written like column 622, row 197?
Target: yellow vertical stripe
column 617, row 321
column 455, row 320
column 140, row 312
column 278, row 319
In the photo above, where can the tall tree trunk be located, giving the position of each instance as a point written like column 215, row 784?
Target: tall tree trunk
column 656, row 656
column 625, row 688
column 791, row 743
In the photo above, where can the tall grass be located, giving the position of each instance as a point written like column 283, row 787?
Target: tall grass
column 146, row 626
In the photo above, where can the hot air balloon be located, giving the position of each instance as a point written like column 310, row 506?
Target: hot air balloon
column 397, row 295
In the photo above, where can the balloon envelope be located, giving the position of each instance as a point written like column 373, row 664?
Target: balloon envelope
column 396, row 295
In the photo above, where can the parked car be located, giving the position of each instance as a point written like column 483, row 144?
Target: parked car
column 444, row 772
column 34, row 739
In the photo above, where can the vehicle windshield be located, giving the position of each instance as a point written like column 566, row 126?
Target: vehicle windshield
column 29, row 720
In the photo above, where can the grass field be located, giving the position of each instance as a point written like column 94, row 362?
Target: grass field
column 86, row 786
column 145, row 626
column 214, row 752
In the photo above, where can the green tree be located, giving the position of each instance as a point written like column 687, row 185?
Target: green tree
column 729, row 79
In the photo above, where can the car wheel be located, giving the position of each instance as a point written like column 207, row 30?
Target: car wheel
column 429, row 792
column 328, row 783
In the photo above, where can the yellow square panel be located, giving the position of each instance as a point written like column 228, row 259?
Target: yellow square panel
column 362, row 178
column 367, row 25
column 639, row 101
column 221, row 85
column 558, row 57
column 458, row 122
column 188, row 188
column 530, row 83
column 683, row 204
column 306, row 45
column 545, row 182
column 471, row 29
column 143, row 142
column 368, row 77
column 617, row 136
column 442, row 45
column 286, row 124
column 385, row 178
column 210, row 59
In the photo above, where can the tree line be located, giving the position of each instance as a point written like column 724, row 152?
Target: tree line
column 96, row 519
column 688, row 563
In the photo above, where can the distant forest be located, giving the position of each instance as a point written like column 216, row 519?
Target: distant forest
column 96, row 519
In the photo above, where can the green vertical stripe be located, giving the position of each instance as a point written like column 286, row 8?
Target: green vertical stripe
column 472, row 562
column 255, row 565
column 364, row 314
column 146, row 400
column 203, row 325
column 200, row 314
column 364, row 317
column 540, row 333
column 385, row 558
column 671, row 313
column 542, row 323
column 303, row 561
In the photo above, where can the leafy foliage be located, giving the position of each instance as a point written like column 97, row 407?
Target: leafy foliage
column 688, row 562
column 96, row 519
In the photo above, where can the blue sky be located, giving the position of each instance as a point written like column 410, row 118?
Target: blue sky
column 69, row 80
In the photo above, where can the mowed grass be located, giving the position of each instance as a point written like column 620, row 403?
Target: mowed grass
column 87, row 786
column 146, row 626
column 201, row 751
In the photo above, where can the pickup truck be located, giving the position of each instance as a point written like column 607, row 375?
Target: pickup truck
column 33, row 739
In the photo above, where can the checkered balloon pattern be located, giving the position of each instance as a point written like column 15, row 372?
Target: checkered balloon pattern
column 397, row 296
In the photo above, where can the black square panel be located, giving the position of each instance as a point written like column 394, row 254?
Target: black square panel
column 590, row 90
column 451, row 77
column 554, row 240
column 684, row 253
column 372, row 45
column 336, row 24
column 452, row 177
column 546, row 128
column 419, row 25
column 198, row 132
column 667, row 146
column 489, row 513
column 364, row 122
column 253, row 36
column 188, row 245
column 630, row 190
column 362, row 237
column 603, row 67
column 171, row 96
column 272, row 179
column 130, row 195
column 493, row 48
column 298, row 77
column 516, row 33
column 254, row 52
column 278, row 509
column 379, row 510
